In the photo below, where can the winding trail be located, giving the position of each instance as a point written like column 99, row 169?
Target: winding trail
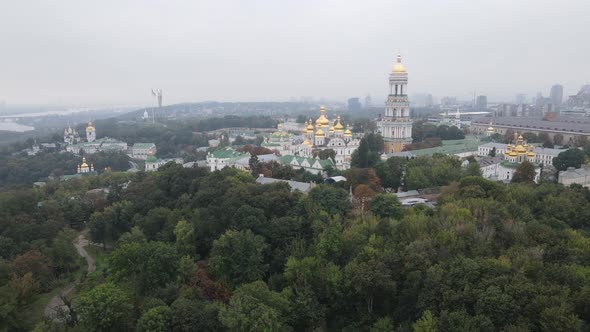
column 56, row 305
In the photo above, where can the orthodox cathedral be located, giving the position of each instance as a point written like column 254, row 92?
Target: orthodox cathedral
column 503, row 166
column 321, row 134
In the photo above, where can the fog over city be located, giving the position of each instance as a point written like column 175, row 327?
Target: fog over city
column 69, row 51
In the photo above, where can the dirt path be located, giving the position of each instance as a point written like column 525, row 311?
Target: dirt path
column 56, row 304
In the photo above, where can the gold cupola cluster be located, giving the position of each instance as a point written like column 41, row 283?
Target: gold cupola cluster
column 324, row 128
column 84, row 167
column 520, row 151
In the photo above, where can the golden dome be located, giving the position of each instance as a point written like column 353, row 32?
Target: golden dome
column 84, row 166
column 304, row 131
column 322, row 121
column 90, row 127
column 398, row 67
column 520, row 148
column 338, row 126
column 531, row 153
column 348, row 133
column 490, row 128
column 320, row 133
column 307, row 142
column 310, row 126
column 331, row 129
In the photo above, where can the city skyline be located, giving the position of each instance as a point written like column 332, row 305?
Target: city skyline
column 74, row 53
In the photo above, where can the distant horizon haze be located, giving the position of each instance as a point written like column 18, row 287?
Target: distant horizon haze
column 113, row 53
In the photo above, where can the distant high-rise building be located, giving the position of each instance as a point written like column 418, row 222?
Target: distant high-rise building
column 578, row 104
column 520, row 99
column 396, row 125
column 368, row 101
column 539, row 100
column 429, row 101
column 556, row 95
column 448, row 101
column 354, row 104
column 481, row 103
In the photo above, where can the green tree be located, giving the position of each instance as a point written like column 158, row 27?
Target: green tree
column 391, row 171
column 496, row 138
column 498, row 306
column 63, row 254
column 559, row 319
column 98, row 228
column 360, row 157
column 386, row 206
column 238, row 257
column 104, row 308
column 247, row 217
column 426, row 323
column 155, row 222
column 185, row 238
column 327, row 154
column 134, row 235
column 369, row 278
column 147, row 265
column 157, row 319
column 492, row 152
column 558, row 139
column 524, row 173
column 368, row 152
column 253, row 307
column 569, row 158
column 383, row 325
column 472, row 169
column 192, row 315
column 330, row 199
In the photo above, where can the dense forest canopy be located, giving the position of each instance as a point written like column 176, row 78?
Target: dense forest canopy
column 189, row 250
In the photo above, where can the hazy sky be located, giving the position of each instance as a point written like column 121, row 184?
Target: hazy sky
column 115, row 51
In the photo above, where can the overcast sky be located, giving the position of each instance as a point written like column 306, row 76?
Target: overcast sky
column 115, row 51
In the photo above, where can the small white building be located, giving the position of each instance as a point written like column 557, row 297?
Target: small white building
column 573, row 175
column 140, row 150
column 226, row 157
column 152, row 163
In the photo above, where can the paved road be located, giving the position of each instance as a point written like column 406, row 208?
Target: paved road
column 56, row 304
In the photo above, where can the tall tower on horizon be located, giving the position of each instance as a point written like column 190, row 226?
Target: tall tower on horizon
column 556, row 95
column 396, row 125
